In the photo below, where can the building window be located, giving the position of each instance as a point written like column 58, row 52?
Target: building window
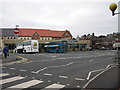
column 50, row 38
column 40, row 38
column 66, row 34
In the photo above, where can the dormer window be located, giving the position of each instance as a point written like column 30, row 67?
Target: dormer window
column 66, row 34
column 36, row 34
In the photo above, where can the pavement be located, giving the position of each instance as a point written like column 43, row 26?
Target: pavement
column 12, row 57
column 108, row 79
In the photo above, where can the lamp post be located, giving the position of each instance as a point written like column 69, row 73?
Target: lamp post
column 113, row 7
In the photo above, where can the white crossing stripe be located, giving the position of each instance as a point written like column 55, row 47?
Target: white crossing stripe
column 22, row 70
column 3, row 81
column 3, row 74
column 47, row 74
column 27, row 84
column 63, row 76
column 12, row 68
column 56, row 86
column 79, row 79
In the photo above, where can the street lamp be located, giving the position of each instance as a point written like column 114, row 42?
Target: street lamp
column 113, row 7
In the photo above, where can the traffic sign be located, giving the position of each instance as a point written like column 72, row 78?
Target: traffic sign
column 16, row 30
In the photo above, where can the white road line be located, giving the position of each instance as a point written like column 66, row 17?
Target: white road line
column 63, row 76
column 3, row 74
column 34, row 72
column 3, row 81
column 68, row 84
column 109, row 65
column 39, row 70
column 95, row 77
column 89, row 74
column 12, row 68
column 61, row 65
column 47, row 74
column 69, row 63
column 80, row 79
column 22, row 70
column 58, row 82
column 91, row 60
column 27, row 84
column 49, row 81
column 57, row 66
column 55, row 86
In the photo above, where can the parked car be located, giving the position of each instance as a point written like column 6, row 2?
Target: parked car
column 90, row 48
column 102, row 48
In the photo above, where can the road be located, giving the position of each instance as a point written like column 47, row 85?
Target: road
column 56, row 70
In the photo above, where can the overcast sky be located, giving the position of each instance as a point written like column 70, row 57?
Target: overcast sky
column 78, row 16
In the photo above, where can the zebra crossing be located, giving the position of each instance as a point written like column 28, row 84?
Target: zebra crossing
column 24, row 84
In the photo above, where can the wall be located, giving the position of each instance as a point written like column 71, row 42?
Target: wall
column 67, row 35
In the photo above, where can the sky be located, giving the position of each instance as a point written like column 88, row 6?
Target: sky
column 78, row 16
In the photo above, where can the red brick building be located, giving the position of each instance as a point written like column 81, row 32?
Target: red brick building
column 44, row 34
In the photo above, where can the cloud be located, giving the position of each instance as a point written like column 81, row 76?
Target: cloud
column 21, row 1
column 78, row 17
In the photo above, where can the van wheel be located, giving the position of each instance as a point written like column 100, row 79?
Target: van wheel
column 16, row 51
column 24, row 51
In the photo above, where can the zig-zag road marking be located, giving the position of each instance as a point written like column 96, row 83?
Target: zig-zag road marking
column 20, row 61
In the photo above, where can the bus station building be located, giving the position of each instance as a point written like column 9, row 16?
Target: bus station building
column 42, row 35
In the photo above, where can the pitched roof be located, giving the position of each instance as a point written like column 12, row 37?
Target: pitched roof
column 6, row 32
column 41, row 32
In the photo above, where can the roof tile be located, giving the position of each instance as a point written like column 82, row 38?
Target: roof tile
column 41, row 32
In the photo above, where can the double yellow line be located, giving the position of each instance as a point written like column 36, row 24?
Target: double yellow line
column 23, row 59
column 20, row 61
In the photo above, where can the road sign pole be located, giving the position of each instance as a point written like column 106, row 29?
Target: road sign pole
column 16, row 31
